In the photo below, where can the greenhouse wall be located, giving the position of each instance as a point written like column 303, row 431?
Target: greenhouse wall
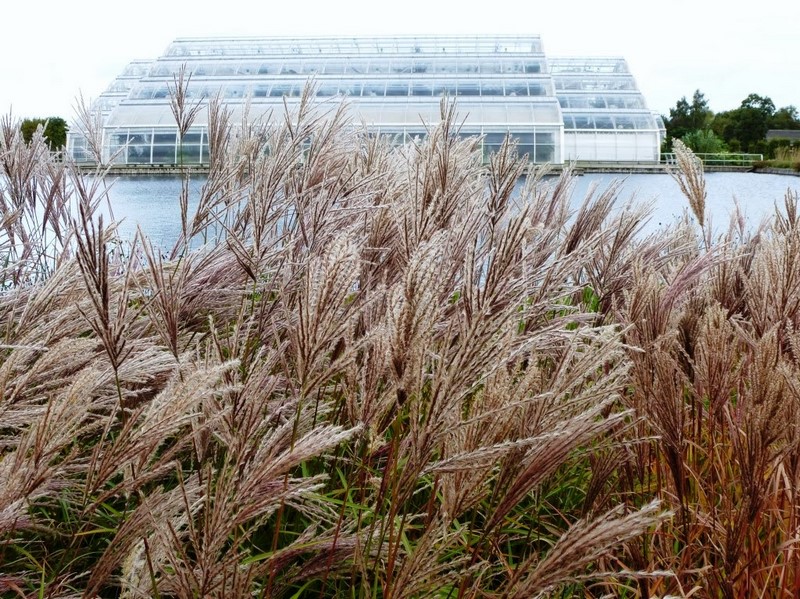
column 502, row 85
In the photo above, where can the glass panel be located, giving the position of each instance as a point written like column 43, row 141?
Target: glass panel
column 584, row 122
column 291, row 68
column 421, row 67
column 492, row 142
column 310, row 67
column 234, row 91
column 494, row 112
column 160, row 71
column 224, row 70
column 442, row 88
column 350, row 88
column 192, row 137
column 624, row 122
column 545, row 153
column 596, row 102
column 189, row 153
column 194, row 91
column 445, row 66
column 379, row 66
column 397, row 88
column 206, row 91
column 335, row 67
column 421, row 89
column 357, row 67
column 525, row 144
column 393, row 113
column 164, row 154
column 280, row 89
column 260, row 91
column 615, row 102
column 603, row 122
column 533, row 67
column 468, row 88
column 492, row 88
column 141, row 138
column 164, row 138
column 373, row 89
column 519, row 112
column 247, row 69
column 139, row 154
column 537, row 89
column 118, row 139
column 516, row 88
column 119, row 86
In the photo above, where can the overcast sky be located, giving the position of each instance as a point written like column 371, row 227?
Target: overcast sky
column 54, row 50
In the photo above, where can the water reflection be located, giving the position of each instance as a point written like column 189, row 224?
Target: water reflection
column 152, row 202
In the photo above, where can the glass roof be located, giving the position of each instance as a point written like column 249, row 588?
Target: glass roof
column 530, row 44
column 593, row 100
column 589, row 83
column 358, row 66
column 583, row 64
column 358, row 87
column 610, row 121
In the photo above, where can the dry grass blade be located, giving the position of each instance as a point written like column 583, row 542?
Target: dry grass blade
column 691, row 181
column 582, row 544
column 390, row 371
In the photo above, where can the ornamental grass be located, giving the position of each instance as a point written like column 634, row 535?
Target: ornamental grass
column 366, row 371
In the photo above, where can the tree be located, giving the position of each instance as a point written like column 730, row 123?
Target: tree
column 686, row 117
column 785, row 118
column 55, row 131
column 704, row 142
column 749, row 123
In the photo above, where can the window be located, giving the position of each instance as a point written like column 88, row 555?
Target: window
column 397, row 88
column 516, row 88
column 603, row 122
column 421, row 89
column 468, row 88
column 492, row 88
column 164, row 138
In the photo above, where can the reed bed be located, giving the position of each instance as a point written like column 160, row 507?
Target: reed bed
column 370, row 371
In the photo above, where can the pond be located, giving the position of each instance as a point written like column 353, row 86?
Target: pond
column 152, row 202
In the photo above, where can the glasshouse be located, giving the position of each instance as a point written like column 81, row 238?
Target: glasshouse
column 556, row 109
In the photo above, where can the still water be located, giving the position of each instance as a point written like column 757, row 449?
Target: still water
column 152, row 202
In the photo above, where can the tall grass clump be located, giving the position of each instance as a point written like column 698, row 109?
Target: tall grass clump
column 376, row 371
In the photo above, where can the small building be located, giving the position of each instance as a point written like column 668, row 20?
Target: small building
column 793, row 134
column 557, row 109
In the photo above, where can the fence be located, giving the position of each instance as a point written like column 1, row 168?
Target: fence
column 721, row 159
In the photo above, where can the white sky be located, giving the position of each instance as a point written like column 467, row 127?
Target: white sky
column 52, row 50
